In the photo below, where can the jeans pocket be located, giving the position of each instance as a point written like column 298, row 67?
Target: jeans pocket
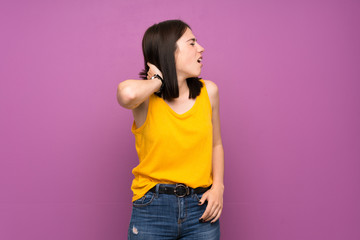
column 145, row 200
column 198, row 196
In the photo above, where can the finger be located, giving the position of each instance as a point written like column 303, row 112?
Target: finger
column 151, row 66
column 210, row 215
column 207, row 212
column 214, row 210
column 217, row 216
column 154, row 69
column 203, row 199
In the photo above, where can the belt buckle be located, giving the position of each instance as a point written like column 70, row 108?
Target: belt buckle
column 181, row 190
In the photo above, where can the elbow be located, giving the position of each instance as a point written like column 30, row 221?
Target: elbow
column 125, row 96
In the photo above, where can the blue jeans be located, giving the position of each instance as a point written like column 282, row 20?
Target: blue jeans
column 168, row 217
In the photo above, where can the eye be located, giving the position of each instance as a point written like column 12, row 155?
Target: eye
column 192, row 44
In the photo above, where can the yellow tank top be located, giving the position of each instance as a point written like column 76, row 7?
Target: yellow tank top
column 174, row 148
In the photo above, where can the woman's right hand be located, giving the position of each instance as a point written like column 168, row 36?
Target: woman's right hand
column 152, row 71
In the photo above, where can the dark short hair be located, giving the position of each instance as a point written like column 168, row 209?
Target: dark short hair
column 159, row 45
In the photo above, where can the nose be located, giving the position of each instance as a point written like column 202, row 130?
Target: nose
column 200, row 48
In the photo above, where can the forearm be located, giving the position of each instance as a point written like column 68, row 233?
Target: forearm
column 218, row 166
column 131, row 93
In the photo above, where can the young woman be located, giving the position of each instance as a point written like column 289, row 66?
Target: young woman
column 178, row 186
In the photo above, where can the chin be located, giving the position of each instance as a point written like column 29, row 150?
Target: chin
column 197, row 74
column 194, row 74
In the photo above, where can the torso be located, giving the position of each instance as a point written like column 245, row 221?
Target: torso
column 182, row 105
column 179, row 105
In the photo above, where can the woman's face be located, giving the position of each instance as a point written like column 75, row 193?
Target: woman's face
column 188, row 56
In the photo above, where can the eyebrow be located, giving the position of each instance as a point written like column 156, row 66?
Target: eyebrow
column 192, row 39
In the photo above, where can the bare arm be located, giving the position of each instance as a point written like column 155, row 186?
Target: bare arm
column 131, row 93
column 214, row 196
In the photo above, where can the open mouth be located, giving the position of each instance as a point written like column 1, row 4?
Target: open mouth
column 199, row 60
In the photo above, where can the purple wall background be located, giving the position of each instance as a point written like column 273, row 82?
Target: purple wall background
column 288, row 74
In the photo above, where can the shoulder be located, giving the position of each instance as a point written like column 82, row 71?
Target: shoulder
column 212, row 90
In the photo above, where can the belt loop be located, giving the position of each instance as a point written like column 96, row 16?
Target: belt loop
column 157, row 190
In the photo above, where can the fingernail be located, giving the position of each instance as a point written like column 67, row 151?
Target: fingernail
column 201, row 220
